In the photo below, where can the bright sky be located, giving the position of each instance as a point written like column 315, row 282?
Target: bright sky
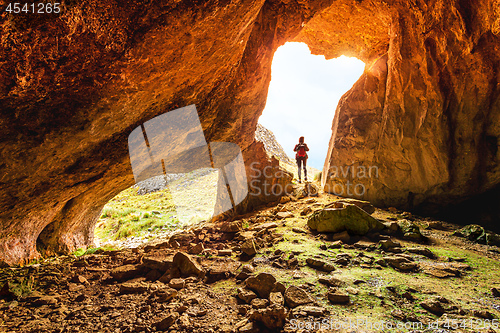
column 303, row 95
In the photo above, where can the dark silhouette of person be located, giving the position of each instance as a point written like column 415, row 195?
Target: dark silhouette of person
column 301, row 150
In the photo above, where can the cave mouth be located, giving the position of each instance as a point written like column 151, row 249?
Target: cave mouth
column 303, row 95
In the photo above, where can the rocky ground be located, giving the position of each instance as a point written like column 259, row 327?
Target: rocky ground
column 270, row 271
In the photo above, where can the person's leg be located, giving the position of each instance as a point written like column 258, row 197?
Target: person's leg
column 304, row 164
column 298, row 166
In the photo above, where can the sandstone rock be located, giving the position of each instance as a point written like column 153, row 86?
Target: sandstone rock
column 401, row 263
column 320, row 264
column 246, row 295
column 133, row 287
column 433, row 306
column 186, row 265
column 259, row 303
column 350, row 218
column 197, row 248
column 125, row 272
column 299, row 230
column 80, row 279
column 422, row 251
column 336, row 244
column 285, row 199
column 158, row 264
column 337, row 297
column 410, row 230
column 276, row 298
column 388, row 244
column 364, row 205
column 273, row 317
column 343, row 237
column 176, row 283
column 248, row 247
column 331, row 281
column 224, row 252
column 315, row 311
column 295, row 296
column 165, row 323
column 263, row 284
column 233, row 226
column 306, row 211
column 284, row 215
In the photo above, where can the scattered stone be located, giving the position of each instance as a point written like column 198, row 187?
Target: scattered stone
column 279, row 287
column 186, row 265
column 422, row 251
column 276, row 298
column 262, row 284
column 433, row 306
column 336, row 244
column 315, row 311
column 248, row 247
column 259, row 303
column 165, row 294
column 299, row 230
column 364, row 205
column 273, row 317
column 166, row 322
column 352, row 291
column 177, row 283
column 249, row 327
column 233, row 226
column 197, row 249
column 224, row 253
column 284, row 215
column 444, row 269
column 133, row 287
column 246, row 295
column 126, row 272
column 320, row 264
column 410, row 230
column 388, row 244
column 156, row 264
column 284, row 199
column 80, row 279
column 343, row 237
column 484, row 314
column 337, row 297
column 350, row 218
column 295, row 296
column 306, row 211
column 401, row 263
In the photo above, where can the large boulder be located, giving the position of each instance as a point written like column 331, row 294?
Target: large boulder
column 350, row 218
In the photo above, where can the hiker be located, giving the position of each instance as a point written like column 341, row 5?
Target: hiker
column 301, row 156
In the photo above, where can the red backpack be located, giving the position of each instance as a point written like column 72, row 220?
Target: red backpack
column 302, row 151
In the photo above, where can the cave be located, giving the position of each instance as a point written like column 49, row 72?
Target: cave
column 418, row 130
column 73, row 87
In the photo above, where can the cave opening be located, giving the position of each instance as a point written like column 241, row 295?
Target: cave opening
column 156, row 208
column 303, row 96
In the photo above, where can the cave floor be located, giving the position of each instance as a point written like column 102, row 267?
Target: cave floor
column 450, row 288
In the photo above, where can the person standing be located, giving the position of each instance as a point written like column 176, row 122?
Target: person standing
column 301, row 150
